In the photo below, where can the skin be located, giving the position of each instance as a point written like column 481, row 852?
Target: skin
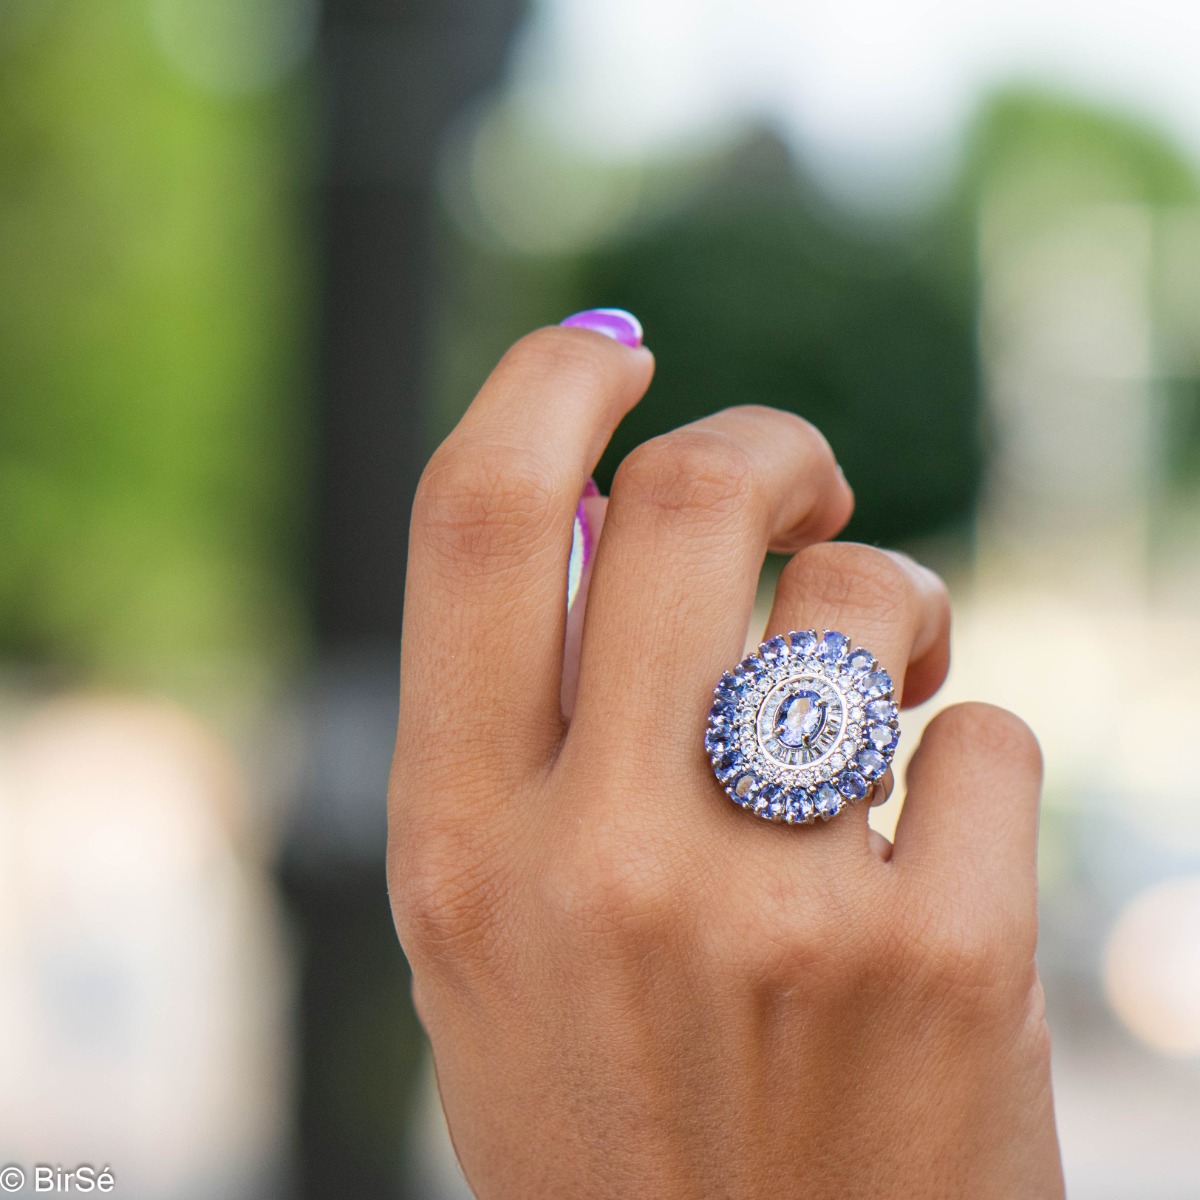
column 633, row 988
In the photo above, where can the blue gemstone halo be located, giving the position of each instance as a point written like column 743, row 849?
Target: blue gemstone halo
column 802, row 728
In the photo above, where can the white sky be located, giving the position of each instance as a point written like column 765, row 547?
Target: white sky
column 871, row 90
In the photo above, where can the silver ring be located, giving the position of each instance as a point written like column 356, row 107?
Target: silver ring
column 803, row 728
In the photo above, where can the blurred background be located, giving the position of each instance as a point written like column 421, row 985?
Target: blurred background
column 255, row 258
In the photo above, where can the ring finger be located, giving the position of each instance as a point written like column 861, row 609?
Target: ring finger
column 881, row 600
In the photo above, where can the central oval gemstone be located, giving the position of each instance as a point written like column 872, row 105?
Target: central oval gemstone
column 800, row 718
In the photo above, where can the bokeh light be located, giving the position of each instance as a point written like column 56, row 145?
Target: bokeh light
column 1152, row 967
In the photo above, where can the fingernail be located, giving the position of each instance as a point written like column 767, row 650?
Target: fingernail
column 581, row 553
column 582, row 542
column 615, row 323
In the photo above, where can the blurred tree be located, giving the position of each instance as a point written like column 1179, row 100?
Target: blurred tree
column 1057, row 151
column 760, row 293
column 754, row 289
column 1034, row 159
column 153, row 288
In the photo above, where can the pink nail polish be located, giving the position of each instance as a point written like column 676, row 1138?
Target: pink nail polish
column 614, row 323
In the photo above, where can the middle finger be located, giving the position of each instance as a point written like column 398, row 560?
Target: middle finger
column 691, row 516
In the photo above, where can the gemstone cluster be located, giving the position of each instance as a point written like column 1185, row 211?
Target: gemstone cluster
column 803, row 727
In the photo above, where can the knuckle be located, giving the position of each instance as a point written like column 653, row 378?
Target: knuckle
column 968, row 961
column 846, row 576
column 817, row 450
column 613, row 888
column 809, row 958
column 553, row 353
column 963, row 962
column 933, row 583
column 484, row 501
column 798, row 942
column 1035, row 1028
column 815, row 445
column 775, row 416
column 965, row 728
column 443, row 896
column 689, row 473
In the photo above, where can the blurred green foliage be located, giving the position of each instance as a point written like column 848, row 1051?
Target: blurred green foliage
column 1035, row 159
column 753, row 289
column 1056, row 152
column 760, row 293
column 151, row 285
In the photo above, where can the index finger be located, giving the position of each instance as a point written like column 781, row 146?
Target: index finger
column 485, row 601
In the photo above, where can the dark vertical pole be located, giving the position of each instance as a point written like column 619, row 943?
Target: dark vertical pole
column 396, row 73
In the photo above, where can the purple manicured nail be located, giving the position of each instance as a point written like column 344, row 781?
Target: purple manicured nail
column 615, row 323
column 581, row 552
column 582, row 542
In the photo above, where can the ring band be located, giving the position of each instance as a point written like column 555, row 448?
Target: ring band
column 803, row 728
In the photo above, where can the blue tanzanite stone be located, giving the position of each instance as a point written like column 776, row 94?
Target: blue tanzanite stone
column 871, row 763
column 745, row 790
column 852, row 785
column 828, row 802
column 860, row 662
column 773, row 649
column 771, row 801
column 881, row 710
column 801, row 807
column 878, row 683
column 882, row 737
column 729, row 765
column 804, row 641
column 720, row 724
column 800, row 718
column 834, row 646
column 717, row 735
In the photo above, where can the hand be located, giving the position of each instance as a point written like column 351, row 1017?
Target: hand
column 632, row 987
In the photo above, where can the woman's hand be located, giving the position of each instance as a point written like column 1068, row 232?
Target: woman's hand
column 632, row 987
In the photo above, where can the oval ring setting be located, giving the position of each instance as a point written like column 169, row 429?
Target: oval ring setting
column 803, row 728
